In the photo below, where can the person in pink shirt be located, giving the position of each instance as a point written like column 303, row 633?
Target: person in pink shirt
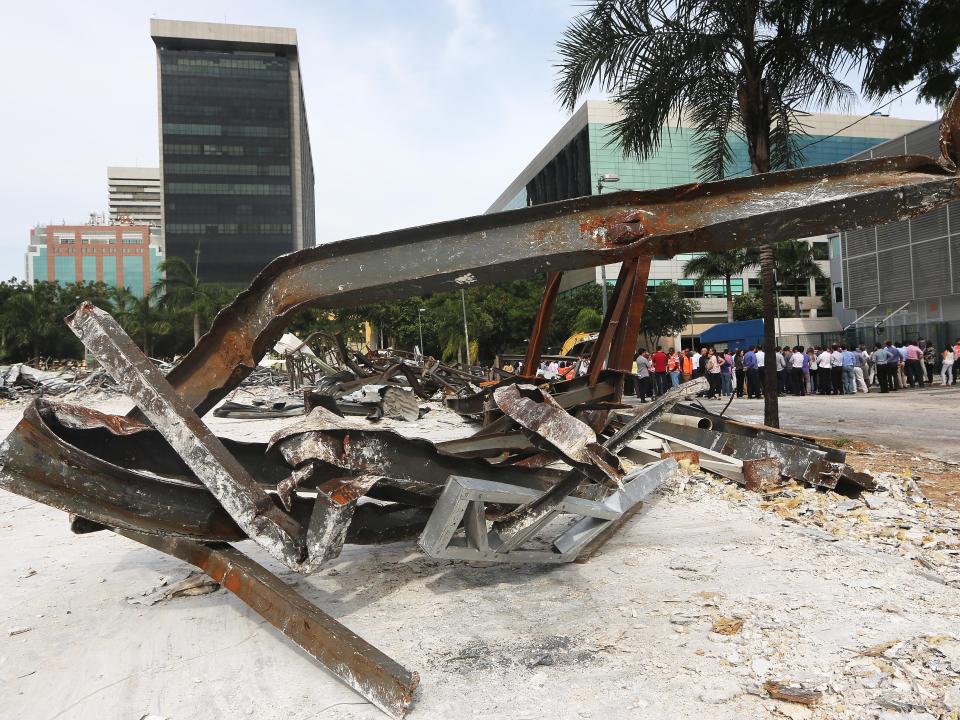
column 914, row 365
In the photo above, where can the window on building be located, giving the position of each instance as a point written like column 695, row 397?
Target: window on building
column 838, row 294
column 709, row 289
column 821, row 250
column 821, row 286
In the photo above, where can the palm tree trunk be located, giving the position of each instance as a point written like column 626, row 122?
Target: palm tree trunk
column 796, row 305
column 196, row 328
column 771, row 404
column 729, row 299
column 756, row 120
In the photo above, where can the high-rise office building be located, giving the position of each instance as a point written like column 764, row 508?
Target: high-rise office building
column 582, row 152
column 134, row 195
column 237, row 174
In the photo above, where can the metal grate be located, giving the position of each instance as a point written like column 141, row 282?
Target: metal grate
column 861, row 288
column 931, row 268
column 896, row 281
column 925, row 141
column 860, row 242
column 955, row 256
column 892, row 235
column 929, row 226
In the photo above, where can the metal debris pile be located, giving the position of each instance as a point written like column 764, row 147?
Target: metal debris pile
column 21, row 378
column 550, row 476
column 323, row 371
column 755, row 456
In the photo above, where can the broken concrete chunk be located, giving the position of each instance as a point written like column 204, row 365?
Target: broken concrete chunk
column 726, row 625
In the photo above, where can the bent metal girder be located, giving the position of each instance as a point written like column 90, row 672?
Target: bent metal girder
column 582, row 232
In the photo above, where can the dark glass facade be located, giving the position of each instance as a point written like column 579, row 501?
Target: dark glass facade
column 566, row 176
column 229, row 180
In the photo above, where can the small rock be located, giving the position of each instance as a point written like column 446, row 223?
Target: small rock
column 780, row 690
column 792, row 711
column 760, row 667
column 719, row 692
column 726, row 625
column 951, row 698
column 847, row 505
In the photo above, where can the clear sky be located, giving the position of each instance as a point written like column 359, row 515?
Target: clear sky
column 419, row 110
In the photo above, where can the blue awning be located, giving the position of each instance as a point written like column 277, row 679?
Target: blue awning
column 740, row 334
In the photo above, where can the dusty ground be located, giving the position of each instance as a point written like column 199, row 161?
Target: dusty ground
column 820, row 585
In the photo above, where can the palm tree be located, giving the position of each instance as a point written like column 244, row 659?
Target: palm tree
column 139, row 316
column 721, row 264
column 180, row 290
column 732, row 68
column 29, row 316
column 797, row 265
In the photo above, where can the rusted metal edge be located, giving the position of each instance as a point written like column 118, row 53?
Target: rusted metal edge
column 229, row 482
column 346, row 655
column 583, row 232
column 523, row 521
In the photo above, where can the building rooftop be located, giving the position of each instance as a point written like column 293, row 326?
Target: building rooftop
column 133, row 173
column 206, row 35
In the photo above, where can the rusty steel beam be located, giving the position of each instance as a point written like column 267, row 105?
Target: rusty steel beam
column 346, row 655
column 247, row 503
column 583, row 232
column 621, row 355
column 611, row 321
column 541, row 325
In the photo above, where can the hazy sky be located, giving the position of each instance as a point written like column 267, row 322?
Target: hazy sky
column 419, row 110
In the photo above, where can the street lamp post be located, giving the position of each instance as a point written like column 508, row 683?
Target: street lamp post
column 605, row 179
column 776, row 281
column 420, row 312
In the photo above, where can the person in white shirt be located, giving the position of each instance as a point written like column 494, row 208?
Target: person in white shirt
column 798, row 384
column 836, row 371
column 824, row 361
column 760, row 371
column 946, row 372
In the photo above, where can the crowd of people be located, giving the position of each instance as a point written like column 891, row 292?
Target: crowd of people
column 834, row 370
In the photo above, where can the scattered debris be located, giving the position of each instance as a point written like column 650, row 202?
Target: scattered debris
column 792, row 692
column 18, row 630
column 195, row 583
column 726, row 625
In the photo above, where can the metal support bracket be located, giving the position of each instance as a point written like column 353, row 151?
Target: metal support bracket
column 458, row 528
